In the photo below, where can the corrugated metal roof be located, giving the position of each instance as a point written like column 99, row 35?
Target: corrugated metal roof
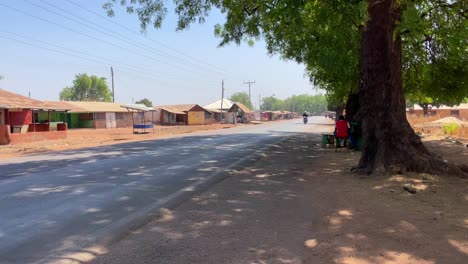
column 455, row 107
column 227, row 104
column 138, row 107
column 95, row 107
column 176, row 109
column 66, row 105
column 11, row 100
column 244, row 108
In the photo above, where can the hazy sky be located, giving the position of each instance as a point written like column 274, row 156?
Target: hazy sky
column 42, row 50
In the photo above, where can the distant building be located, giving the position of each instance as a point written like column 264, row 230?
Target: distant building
column 219, row 106
column 185, row 114
column 19, row 122
column 459, row 111
column 241, row 113
column 94, row 114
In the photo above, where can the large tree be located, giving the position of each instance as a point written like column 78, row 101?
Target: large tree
column 145, row 101
column 242, row 97
column 352, row 46
column 87, row 88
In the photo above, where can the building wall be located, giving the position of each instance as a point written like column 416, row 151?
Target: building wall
column 196, row 118
column 37, row 136
column 167, row 118
column 18, row 120
column 6, row 137
column 442, row 113
column 2, row 117
column 4, row 134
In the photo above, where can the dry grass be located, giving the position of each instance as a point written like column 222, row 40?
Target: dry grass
column 423, row 124
column 416, row 120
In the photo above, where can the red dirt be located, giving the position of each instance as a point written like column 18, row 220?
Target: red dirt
column 80, row 138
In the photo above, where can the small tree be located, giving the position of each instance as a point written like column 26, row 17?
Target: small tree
column 146, row 102
column 241, row 97
column 87, row 88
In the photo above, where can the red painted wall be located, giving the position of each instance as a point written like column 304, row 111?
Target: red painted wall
column 37, row 136
column 4, row 134
column 38, row 128
column 18, row 118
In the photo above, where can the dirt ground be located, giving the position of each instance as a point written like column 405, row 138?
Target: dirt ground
column 80, row 138
column 299, row 204
column 375, row 220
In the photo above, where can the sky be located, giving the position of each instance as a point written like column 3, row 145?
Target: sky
column 45, row 43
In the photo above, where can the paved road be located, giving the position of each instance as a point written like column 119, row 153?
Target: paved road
column 57, row 203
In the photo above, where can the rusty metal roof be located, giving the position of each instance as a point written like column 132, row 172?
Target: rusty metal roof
column 9, row 100
column 92, row 107
column 216, row 105
column 244, row 108
column 63, row 104
column 176, row 109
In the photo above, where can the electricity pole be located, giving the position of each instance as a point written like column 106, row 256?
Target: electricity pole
column 249, row 83
column 222, row 99
column 259, row 102
column 113, row 93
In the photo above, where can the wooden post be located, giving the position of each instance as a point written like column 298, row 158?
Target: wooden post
column 34, row 121
column 48, row 116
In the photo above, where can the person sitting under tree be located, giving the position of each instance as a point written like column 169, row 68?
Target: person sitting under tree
column 341, row 130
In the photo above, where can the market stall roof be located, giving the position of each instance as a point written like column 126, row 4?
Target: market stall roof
column 91, row 107
column 138, row 107
column 216, row 105
column 176, row 109
column 9, row 100
column 244, row 108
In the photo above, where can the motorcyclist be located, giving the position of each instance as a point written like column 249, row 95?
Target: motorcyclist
column 305, row 117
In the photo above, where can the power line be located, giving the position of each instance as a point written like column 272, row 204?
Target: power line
column 81, row 33
column 100, row 31
column 77, row 56
column 249, row 83
column 76, row 51
column 146, row 37
column 121, row 37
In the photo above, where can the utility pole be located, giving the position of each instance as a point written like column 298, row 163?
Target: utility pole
column 113, row 93
column 222, row 99
column 249, row 83
column 259, row 102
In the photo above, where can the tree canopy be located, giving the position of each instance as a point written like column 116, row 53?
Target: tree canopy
column 145, row 101
column 378, row 49
column 242, row 97
column 87, row 88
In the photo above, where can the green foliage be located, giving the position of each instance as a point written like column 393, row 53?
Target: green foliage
column 449, row 129
column 326, row 37
column 272, row 103
column 313, row 104
column 145, row 101
column 435, row 61
column 242, row 97
column 87, row 88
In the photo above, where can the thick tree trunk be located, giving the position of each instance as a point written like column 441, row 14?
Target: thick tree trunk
column 339, row 111
column 352, row 107
column 425, row 108
column 389, row 143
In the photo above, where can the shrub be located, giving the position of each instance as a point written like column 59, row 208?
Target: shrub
column 449, row 129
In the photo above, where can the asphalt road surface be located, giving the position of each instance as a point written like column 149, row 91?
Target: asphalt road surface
column 56, row 203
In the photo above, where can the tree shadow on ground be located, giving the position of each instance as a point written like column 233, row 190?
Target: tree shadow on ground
column 375, row 220
column 69, row 198
column 300, row 204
